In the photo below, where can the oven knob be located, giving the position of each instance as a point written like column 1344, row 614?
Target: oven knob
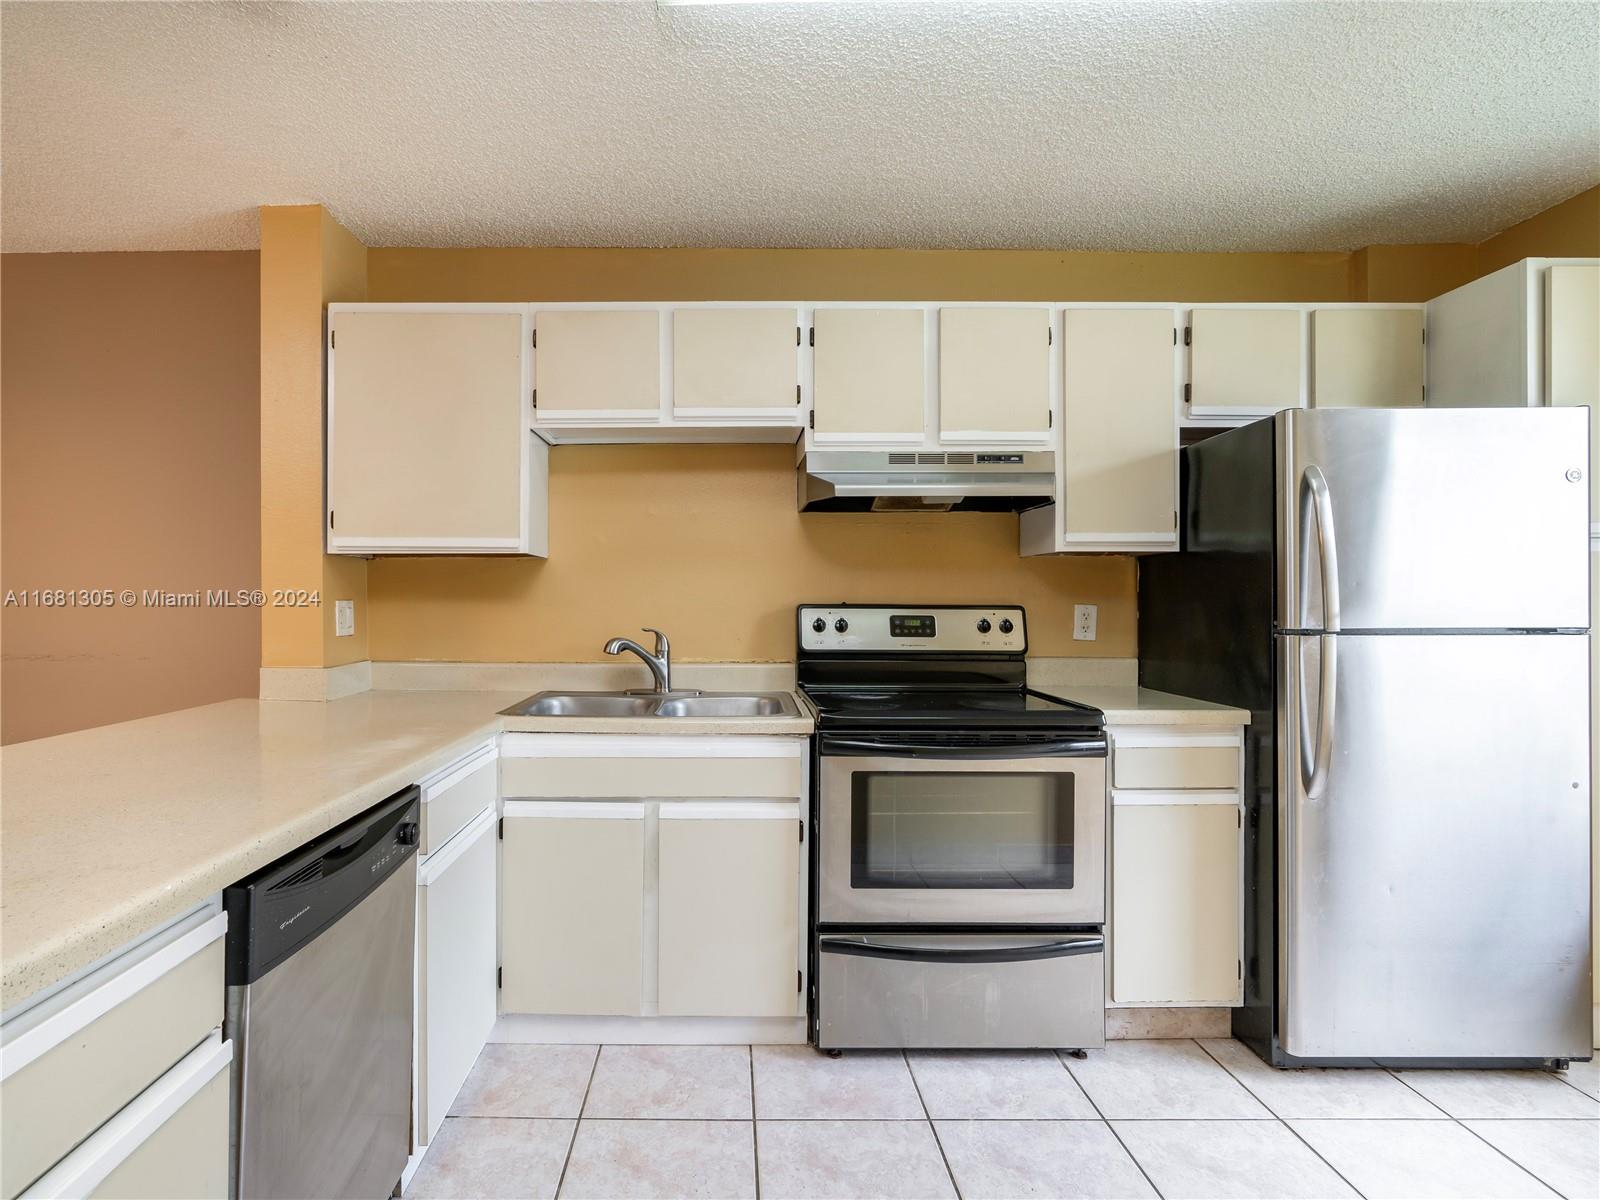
column 818, row 625
column 1005, row 625
column 983, row 624
column 841, row 625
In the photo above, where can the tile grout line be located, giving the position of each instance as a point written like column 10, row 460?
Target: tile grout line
column 1562, row 1075
column 582, row 1104
column 1133, row 1158
column 755, row 1129
column 1528, row 1171
column 1276, row 1116
column 932, row 1128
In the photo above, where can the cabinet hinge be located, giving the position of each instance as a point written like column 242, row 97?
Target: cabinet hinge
column 1186, row 399
column 797, row 393
column 1174, row 335
column 498, row 975
column 501, row 832
column 1188, row 334
column 333, row 338
column 330, row 518
column 802, row 824
column 1239, row 968
column 1050, row 420
column 536, row 397
column 811, row 336
column 797, row 335
column 799, row 981
column 1174, row 518
column 1050, row 336
column 535, row 339
column 1238, row 820
column 811, row 419
column 1424, row 337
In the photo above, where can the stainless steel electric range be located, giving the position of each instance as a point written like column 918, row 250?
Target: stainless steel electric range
column 959, row 821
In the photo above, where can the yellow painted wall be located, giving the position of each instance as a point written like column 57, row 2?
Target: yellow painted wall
column 705, row 542
column 307, row 261
column 1570, row 229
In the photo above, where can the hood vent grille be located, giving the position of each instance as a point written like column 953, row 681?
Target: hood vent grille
column 905, row 458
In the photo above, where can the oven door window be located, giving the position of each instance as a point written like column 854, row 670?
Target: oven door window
column 969, row 829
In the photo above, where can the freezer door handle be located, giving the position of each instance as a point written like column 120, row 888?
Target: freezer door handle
column 1316, row 508
column 1027, row 952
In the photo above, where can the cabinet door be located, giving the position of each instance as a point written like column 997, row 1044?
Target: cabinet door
column 1245, row 360
column 994, row 374
column 1366, row 357
column 572, row 908
column 1175, row 903
column 728, row 361
column 456, row 956
column 597, row 365
column 867, row 374
column 427, row 431
column 729, row 959
column 1119, row 426
column 1572, row 354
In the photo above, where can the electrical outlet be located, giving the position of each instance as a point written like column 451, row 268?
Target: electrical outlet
column 1085, row 618
column 344, row 618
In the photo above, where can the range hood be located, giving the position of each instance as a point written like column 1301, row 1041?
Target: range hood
column 925, row 481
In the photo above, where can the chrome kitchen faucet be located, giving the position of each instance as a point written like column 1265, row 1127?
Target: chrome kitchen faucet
column 660, row 663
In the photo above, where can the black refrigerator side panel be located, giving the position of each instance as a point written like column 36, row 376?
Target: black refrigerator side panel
column 1205, row 630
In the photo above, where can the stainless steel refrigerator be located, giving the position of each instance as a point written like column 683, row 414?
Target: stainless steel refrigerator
column 1401, row 600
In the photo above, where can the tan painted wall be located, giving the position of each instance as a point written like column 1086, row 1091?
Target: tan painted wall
column 307, row 261
column 705, row 542
column 129, row 442
column 1569, row 229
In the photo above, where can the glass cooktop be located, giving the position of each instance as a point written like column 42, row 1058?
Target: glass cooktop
column 932, row 706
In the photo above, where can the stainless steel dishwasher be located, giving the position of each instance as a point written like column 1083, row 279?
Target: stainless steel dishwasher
column 321, row 946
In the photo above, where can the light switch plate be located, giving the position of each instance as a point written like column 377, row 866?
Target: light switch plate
column 344, row 618
column 1085, row 619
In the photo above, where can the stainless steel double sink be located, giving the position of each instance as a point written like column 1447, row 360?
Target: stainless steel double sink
column 713, row 705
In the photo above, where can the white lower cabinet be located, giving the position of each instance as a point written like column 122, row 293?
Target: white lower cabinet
column 456, row 896
column 572, row 907
column 728, row 905
column 674, row 888
column 117, row 1084
column 1176, row 909
column 1175, row 895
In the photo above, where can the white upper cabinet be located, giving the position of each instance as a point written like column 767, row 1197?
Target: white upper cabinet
column 1246, row 361
column 736, row 362
column 1572, row 354
column 1119, row 429
column 994, row 374
column 1366, row 357
column 868, row 378
column 429, row 449
column 597, row 364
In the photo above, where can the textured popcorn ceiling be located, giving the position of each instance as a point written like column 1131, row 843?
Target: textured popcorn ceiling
column 1210, row 126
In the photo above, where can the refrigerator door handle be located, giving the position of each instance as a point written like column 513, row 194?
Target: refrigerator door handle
column 1316, row 507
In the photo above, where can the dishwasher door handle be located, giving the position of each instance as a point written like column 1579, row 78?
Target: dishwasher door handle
column 1058, row 947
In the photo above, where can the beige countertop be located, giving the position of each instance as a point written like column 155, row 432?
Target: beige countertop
column 109, row 832
column 1142, row 706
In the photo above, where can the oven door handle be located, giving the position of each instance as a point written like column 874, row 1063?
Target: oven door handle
column 1073, row 747
column 1061, row 947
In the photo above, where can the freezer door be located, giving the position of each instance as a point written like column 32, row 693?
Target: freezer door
column 1433, row 518
column 1433, row 882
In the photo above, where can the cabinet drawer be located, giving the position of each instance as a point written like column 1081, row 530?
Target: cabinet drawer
column 703, row 778
column 171, row 1143
column 455, row 795
column 1177, row 766
column 118, row 1030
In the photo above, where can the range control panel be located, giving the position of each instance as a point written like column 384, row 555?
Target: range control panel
column 935, row 630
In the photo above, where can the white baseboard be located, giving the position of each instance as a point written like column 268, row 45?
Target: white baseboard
column 650, row 1031
column 315, row 683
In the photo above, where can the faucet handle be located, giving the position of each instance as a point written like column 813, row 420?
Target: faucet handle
column 663, row 647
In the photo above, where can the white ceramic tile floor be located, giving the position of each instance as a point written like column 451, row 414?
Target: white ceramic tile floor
column 1171, row 1118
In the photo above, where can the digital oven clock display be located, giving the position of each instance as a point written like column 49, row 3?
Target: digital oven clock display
column 903, row 625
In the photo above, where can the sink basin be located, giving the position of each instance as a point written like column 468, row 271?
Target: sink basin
column 729, row 704
column 715, row 705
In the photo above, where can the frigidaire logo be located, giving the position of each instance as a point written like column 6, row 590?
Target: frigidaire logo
column 295, row 918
